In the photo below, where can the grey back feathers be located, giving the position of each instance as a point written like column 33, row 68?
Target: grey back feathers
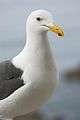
column 10, row 79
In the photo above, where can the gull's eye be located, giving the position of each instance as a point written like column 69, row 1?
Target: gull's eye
column 38, row 19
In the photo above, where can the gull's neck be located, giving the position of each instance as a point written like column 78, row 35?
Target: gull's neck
column 36, row 39
column 36, row 42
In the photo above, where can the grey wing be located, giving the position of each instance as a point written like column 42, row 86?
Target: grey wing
column 10, row 79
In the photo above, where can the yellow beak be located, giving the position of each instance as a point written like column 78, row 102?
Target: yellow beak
column 57, row 29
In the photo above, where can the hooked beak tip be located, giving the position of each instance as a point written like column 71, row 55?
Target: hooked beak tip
column 57, row 29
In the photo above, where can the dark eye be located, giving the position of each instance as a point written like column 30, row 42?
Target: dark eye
column 38, row 19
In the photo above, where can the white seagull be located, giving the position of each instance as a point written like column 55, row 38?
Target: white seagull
column 29, row 79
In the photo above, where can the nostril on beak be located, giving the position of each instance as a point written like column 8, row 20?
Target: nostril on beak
column 57, row 29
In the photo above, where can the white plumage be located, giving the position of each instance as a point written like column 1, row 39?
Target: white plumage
column 40, row 73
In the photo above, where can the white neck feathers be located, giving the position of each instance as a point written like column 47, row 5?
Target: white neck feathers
column 35, row 43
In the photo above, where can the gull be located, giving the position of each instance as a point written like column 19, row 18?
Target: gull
column 29, row 79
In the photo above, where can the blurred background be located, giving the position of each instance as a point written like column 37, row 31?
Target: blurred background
column 65, row 104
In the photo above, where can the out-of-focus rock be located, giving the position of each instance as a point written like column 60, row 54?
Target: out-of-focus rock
column 73, row 73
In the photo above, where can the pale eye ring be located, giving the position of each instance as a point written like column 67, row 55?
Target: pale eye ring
column 38, row 19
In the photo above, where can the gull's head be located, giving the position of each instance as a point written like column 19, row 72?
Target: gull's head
column 42, row 21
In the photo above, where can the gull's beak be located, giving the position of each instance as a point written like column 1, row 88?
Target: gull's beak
column 56, row 29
